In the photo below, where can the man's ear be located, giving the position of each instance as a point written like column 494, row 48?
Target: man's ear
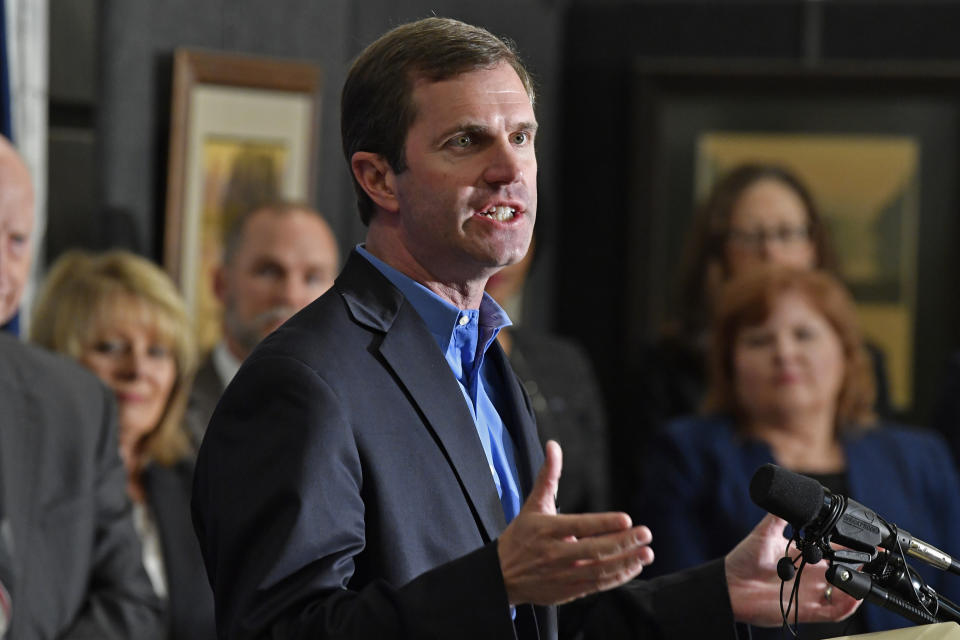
column 377, row 178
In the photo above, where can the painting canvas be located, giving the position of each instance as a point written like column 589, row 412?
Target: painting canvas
column 867, row 188
column 237, row 174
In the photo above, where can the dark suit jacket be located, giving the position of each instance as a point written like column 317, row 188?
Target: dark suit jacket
column 557, row 375
column 77, row 570
column 699, row 472
column 190, row 600
column 342, row 491
column 204, row 394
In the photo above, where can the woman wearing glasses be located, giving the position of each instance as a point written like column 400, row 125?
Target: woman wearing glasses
column 758, row 214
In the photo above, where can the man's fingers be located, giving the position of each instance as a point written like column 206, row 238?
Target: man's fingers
column 605, row 572
column 608, row 548
column 585, row 525
column 770, row 525
column 542, row 498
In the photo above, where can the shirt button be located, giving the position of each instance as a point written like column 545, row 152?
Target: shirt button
column 463, row 320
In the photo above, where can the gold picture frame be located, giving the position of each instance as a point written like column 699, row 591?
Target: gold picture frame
column 243, row 130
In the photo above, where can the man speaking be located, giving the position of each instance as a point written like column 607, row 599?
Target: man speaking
column 372, row 470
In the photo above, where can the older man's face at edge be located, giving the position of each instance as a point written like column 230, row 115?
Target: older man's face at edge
column 16, row 228
column 469, row 193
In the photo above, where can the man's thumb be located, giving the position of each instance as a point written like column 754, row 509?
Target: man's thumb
column 544, row 494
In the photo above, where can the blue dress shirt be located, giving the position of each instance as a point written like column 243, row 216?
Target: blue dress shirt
column 464, row 335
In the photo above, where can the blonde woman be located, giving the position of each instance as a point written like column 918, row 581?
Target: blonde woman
column 121, row 316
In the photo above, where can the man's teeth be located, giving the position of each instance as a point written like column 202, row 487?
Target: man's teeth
column 500, row 213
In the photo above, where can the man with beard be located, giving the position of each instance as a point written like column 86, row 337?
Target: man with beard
column 277, row 258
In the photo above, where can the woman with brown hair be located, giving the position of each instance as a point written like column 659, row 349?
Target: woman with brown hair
column 758, row 214
column 790, row 383
column 121, row 316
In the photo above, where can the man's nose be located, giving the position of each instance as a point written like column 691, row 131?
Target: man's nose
column 293, row 292
column 506, row 164
column 4, row 253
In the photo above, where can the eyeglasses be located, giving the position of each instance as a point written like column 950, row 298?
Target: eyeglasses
column 756, row 238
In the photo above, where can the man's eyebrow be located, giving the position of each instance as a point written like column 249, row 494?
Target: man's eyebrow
column 463, row 127
column 528, row 125
column 473, row 127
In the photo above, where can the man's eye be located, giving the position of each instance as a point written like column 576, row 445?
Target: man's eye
column 269, row 270
column 521, row 137
column 316, row 277
column 462, row 141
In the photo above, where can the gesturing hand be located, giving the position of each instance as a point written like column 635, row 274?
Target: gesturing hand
column 754, row 586
column 551, row 559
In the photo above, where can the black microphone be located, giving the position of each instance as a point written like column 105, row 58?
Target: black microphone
column 806, row 504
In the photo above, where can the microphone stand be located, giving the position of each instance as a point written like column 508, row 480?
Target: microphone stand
column 890, row 583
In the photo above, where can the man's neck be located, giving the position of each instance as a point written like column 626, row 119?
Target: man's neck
column 461, row 292
column 225, row 363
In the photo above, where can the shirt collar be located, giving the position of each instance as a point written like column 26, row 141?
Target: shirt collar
column 440, row 316
column 225, row 363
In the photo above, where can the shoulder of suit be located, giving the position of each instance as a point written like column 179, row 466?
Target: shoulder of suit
column 902, row 436
column 698, row 429
column 36, row 366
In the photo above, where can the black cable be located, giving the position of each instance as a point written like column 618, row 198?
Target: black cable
column 794, row 601
column 795, row 596
column 906, row 570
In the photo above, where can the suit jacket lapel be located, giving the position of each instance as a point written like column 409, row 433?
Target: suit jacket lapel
column 412, row 353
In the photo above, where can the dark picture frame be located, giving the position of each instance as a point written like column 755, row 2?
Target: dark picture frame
column 676, row 102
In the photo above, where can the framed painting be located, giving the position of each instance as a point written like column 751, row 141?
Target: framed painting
column 243, row 132
column 878, row 150
column 867, row 189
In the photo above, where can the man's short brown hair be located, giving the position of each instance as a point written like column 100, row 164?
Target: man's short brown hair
column 376, row 106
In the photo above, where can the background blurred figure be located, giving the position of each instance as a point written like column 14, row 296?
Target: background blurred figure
column 563, row 389
column 16, row 227
column 756, row 215
column 70, row 561
column 120, row 316
column 946, row 411
column 276, row 259
column 790, row 383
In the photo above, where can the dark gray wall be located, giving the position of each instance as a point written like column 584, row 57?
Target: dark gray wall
column 137, row 40
column 111, row 70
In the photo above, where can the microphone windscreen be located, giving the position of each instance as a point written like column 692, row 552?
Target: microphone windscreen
column 795, row 498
